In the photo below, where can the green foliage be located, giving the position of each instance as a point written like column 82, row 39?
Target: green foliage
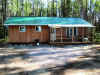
column 14, row 7
column 97, row 37
column 0, row 18
column 93, row 1
column 76, row 8
column 85, row 3
column 63, row 7
column 97, row 6
column 66, row 8
column 3, row 40
column 27, row 8
column 1, row 33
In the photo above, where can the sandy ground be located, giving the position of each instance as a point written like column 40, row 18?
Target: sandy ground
column 50, row 60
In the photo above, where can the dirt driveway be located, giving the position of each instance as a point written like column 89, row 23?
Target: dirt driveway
column 40, row 60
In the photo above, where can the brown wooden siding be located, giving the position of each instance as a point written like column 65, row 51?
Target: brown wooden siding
column 82, row 31
column 15, row 36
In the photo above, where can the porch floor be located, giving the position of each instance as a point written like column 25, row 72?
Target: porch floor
column 65, row 43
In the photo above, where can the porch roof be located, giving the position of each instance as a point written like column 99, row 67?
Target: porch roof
column 50, row 21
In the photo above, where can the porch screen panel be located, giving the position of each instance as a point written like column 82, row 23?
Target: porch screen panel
column 68, row 32
column 75, row 31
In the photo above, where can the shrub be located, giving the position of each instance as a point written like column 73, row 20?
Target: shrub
column 97, row 37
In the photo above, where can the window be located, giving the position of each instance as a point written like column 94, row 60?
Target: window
column 22, row 28
column 38, row 28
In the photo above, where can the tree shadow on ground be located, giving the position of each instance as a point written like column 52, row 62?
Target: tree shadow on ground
column 89, row 61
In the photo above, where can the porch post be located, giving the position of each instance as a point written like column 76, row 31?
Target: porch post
column 82, row 34
column 72, row 34
column 61, row 35
column 54, row 35
column 41, row 36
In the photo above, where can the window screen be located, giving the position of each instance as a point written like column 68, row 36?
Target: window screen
column 22, row 28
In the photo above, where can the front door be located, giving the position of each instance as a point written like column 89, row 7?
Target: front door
column 53, row 34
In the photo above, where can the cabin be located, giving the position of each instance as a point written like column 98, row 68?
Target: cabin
column 50, row 30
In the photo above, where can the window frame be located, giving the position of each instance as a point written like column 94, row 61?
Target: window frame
column 23, row 30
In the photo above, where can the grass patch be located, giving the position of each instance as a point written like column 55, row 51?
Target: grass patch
column 2, row 40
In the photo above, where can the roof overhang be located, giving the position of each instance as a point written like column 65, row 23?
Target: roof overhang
column 70, row 25
column 25, row 24
column 54, row 25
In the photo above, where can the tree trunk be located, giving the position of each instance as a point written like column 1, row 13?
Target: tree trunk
column 4, row 10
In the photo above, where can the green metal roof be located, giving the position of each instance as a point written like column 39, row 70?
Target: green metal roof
column 51, row 21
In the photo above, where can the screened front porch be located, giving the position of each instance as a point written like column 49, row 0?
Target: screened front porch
column 71, row 35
